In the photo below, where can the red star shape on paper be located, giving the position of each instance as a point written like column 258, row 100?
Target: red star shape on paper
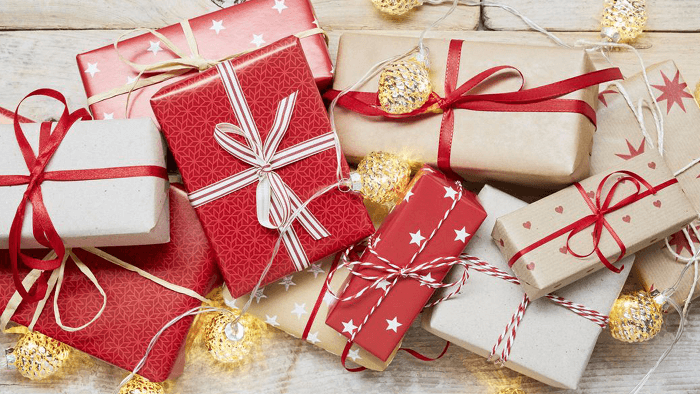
column 632, row 151
column 681, row 242
column 672, row 91
column 601, row 96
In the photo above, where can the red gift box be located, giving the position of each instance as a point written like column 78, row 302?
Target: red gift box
column 223, row 33
column 137, row 308
column 273, row 93
column 429, row 208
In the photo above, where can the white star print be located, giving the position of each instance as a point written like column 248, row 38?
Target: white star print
column 271, row 320
column 383, row 284
column 408, row 195
column 258, row 295
column 328, row 299
column 257, row 40
column 313, row 338
column 316, row 269
column 92, row 69
column 393, row 324
column 299, row 310
column 279, row 6
column 462, row 234
column 354, row 354
column 286, row 282
column 155, row 47
column 427, row 278
column 107, row 116
column 349, row 327
column 217, row 26
column 416, row 238
column 450, row 192
column 130, row 80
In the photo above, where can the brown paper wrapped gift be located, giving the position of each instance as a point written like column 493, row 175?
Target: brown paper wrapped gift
column 587, row 226
column 619, row 138
column 289, row 305
column 486, row 144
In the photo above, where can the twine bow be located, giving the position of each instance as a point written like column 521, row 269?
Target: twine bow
column 275, row 200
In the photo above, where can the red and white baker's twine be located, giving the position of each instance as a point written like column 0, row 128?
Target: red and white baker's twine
column 510, row 331
column 392, row 272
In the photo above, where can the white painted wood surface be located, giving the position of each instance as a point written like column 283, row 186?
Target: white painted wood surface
column 584, row 15
column 33, row 58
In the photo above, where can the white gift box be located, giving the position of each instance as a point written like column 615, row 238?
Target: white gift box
column 103, row 212
column 553, row 344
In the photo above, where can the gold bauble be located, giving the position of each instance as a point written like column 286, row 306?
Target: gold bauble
column 229, row 345
column 396, row 7
column 382, row 177
column 635, row 317
column 404, row 86
column 37, row 356
column 623, row 20
column 141, row 385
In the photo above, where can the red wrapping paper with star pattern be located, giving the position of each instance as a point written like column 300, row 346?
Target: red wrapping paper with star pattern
column 232, row 30
column 137, row 308
column 620, row 139
column 397, row 239
column 189, row 113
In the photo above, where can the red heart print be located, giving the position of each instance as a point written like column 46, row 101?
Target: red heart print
column 652, row 165
column 563, row 249
column 626, row 218
column 530, row 266
column 591, row 195
column 657, row 203
column 527, row 225
column 559, row 209
column 501, row 242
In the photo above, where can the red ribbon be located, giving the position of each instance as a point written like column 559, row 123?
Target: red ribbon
column 43, row 228
column 601, row 207
column 541, row 99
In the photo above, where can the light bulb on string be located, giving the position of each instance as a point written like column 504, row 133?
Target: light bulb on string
column 396, row 7
column 141, row 385
column 229, row 343
column 623, row 20
column 697, row 93
column 636, row 317
column 404, row 85
column 37, row 356
column 381, row 177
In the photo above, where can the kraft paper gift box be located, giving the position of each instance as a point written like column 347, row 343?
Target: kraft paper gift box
column 627, row 207
column 233, row 30
column 96, row 212
column 619, row 138
column 434, row 220
column 268, row 95
column 553, row 344
column 137, row 308
column 484, row 142
column 298, row 305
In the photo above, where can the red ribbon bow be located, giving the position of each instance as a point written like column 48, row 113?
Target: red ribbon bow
column 541, row 99
column 43, row 228
column 600, row 207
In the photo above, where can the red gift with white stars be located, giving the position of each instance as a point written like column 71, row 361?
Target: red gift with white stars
column 107, row 78
column 431, row 222
column 252, row 140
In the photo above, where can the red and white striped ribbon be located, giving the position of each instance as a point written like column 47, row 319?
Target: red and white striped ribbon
column 275, row 200
column 508, row 334
column 392, row 273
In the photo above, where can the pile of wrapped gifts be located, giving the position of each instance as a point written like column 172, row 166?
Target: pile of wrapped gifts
column 269, row 207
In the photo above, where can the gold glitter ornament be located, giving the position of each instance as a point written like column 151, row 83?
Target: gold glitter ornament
column 37, row 356
column 396, row 7
column 635, row 317
column 404, row 86
column 381, row 177
column 229, row 345
column 623, row 20
column 141, row 385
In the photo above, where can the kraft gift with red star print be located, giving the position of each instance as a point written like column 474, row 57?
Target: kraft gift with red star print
column 108, row 75
column 592, row 224
column 417, row 240
column 620, row 138
column 253, row 142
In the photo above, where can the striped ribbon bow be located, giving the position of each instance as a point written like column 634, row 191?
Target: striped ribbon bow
column 276, row 202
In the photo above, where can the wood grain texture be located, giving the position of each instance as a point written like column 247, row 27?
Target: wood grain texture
column 130, row 14
column 584, row 15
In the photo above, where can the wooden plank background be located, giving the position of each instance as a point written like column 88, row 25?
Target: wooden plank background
column 38, row 44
